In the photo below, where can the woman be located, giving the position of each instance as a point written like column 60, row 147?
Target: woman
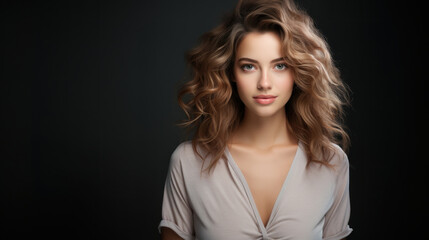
column 265, row 102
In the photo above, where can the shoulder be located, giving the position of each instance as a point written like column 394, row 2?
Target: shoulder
column 181, row 149
column 183, row 155
column 339, row 159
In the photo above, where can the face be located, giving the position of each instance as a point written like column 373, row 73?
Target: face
column 264, row 81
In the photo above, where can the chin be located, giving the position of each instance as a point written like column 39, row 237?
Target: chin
column 265, row 113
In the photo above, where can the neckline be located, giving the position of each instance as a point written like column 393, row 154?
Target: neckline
column 249, row 193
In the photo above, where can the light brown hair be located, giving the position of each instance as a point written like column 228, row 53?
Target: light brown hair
column 315, row 111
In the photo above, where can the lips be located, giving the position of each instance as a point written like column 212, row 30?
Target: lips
column 265, row 99
column 264, row 96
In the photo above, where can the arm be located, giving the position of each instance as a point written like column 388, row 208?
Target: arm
column 336, row 219
column 177, row 214
column 168, row 234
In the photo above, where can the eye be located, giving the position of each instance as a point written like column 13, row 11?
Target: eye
column 280, row 66
column 247, row 67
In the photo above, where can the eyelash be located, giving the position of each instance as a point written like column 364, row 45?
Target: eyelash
column 283, row 65
column 245, row 67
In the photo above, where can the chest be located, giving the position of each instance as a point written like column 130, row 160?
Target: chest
column 265, row 174
column 229, row 206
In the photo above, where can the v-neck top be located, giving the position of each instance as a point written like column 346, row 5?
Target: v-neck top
column 313, row 202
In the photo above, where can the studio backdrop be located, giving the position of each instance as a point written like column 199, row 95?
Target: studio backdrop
column 90, row 114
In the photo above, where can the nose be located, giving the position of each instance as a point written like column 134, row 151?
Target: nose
column 264, row 82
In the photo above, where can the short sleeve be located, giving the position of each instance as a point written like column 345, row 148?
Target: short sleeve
column 337, row 218
column 176, row 211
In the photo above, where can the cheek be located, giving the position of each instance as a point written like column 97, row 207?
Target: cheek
column 241, row 85
column 242, row 89
column 285, row 82
column 245, row 83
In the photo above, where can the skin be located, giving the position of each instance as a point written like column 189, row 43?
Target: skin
column 259, row 69
column 168, row 234
column 262, row 146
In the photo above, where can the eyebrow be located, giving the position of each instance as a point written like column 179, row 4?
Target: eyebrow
column 254, row 61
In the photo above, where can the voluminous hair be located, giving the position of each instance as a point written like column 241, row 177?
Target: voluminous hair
column 315, row 111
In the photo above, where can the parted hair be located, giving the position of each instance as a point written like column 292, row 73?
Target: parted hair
column 315, row 111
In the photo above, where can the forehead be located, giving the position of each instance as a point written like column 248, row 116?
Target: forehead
column 261, row 46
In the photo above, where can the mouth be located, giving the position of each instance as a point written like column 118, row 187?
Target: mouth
column 264, row 96
column 265, row 99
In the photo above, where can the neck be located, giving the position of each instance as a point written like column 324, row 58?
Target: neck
column 264, row 132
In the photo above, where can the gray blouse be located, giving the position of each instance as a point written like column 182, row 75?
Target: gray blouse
column 313, row 202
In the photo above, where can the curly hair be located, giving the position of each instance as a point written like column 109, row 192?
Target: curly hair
column 315, row 111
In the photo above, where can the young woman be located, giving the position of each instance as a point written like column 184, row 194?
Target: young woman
column 266, row 104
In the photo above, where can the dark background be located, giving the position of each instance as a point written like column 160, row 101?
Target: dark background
column 88, row 110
